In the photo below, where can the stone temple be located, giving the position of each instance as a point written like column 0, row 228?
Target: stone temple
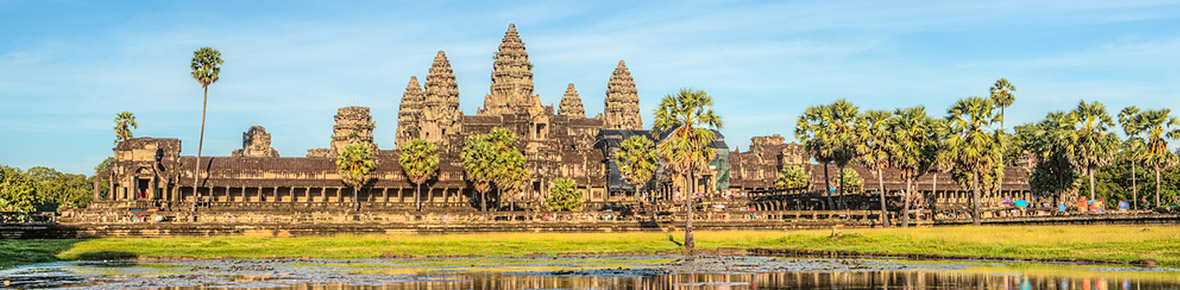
column 556, row 142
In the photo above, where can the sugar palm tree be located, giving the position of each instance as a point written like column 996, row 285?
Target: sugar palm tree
column 828, row 132
column 1158, row 126
column 1133, row 147
column 1002, row 95
column 419, row 162
column 124, row 122
column 508, row 173
column 1094, row 145
column 206, row 67
column 915, row 144
column 685, row 117
column 636, row 159
column 972, row 145
column 478, row 156
column 875, row 150
column 355, row 166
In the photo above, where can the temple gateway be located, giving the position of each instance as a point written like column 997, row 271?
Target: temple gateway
column 561, row 142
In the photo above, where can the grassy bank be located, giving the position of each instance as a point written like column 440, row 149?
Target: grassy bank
column 1119, row 243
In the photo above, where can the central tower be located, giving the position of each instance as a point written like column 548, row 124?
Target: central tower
column 512, row 79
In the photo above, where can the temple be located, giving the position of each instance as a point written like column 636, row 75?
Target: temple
column 561, row 142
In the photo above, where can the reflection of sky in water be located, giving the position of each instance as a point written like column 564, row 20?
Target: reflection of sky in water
column 648, row 272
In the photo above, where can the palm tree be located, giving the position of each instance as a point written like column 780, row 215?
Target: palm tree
column 1158, row 126
column 875, row 150
column 684, row 117
column 973, row 147
column 1133, row 147
column 508, row 173
column 124, row 122
column 478, row 156
column 791, row 176
column 1002, row 95
column 1094, row 145
column 419, row 162
column 915, row 138
column 206, row 69
column 636, row 159
column 355, row 166
column 941, row 162
column 828, row 133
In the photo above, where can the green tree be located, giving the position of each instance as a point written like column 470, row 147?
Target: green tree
column 686, row 117
column 1132, row 149
column 972, row 145
column 828, row 132
column 18, row 191
column 1094, row 144
column 206, row 67
column 851, row 180
column 1050, row 142
column 564, row 196
column 355, row 166
column 791, row 176
column 1158, row 126
column 492, row 159
column 104, row 185
column 56, row 189
column 419, row 162
column 1002, row 95
column 478, row 156
column 636, row 159
column 875, row 149
column 510, row 173
column 915, row 139
column 124, row 122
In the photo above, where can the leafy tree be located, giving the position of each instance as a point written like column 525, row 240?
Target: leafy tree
column 18, row 191
column 915, row 138
column 1132, row 148
column 355, row 166
column 876, row 147
column 509, row 172
column 206, row 67
column 1094, row 144
column 104, row 186
column 1158, row 126
column 1002, row 95
column 564, row 196
column 791, row 176
column 828, row 132
column 973, row 148
column 492, row 159
column 56, row 189
column 419, row 162
column 852, row 181
column 478, row 156
column 685, row 116
column 636, row 159
column 124, row 122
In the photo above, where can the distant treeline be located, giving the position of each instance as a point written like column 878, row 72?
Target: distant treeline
column 44, row 189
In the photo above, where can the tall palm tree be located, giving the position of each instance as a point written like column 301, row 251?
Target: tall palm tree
column 915, row 144
column 1158, row 126
column 829, row 133
column 1133, row 147
column 124, row 122
column 941, row 162
column 206, row 67
column 685, row 117
column 973, row 146
column 478, row 155
column 355, row 166
column 1094, row 145
column 1002, row 95
column 419, row 162
column 875, row 150
column 636, row 159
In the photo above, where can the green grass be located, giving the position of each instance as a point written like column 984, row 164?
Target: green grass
column 1119, row 243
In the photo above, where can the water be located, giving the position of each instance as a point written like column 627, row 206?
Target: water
column 642, row 272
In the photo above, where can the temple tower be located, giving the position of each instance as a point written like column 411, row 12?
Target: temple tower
column 512, row 79
column 409, row 113
column 256, row 143
column 353, row 125
column 571, row 104
column 622, row 101
column 440, row 113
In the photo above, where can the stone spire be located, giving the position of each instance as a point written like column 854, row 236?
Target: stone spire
column 409, row 113
column 571, row 104
column 622, row 101
column 440, row 108
column 512, row 78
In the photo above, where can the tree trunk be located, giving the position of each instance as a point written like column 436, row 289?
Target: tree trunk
column 200, row 145
column 356, row 203
column 417, row 197
column 840, row 188
column 881, row 184
column 975, row 198
column 689, row 243
column 905, row 208
column 1157, row 188
column 483, row 201
column 1090, row 172
column 1134, row 188
column 934, row 190
column 828, row 187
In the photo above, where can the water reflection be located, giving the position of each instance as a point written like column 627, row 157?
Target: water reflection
column 643, row 273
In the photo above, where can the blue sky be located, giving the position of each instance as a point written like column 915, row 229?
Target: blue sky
column 67, row 67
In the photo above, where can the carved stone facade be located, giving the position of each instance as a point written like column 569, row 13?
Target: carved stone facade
column 256, row 143
column 571, row 104
column 622, row 101
column 512, row 79
column 409, row 114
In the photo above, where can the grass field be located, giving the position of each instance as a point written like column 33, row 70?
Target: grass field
column 1119, row 243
